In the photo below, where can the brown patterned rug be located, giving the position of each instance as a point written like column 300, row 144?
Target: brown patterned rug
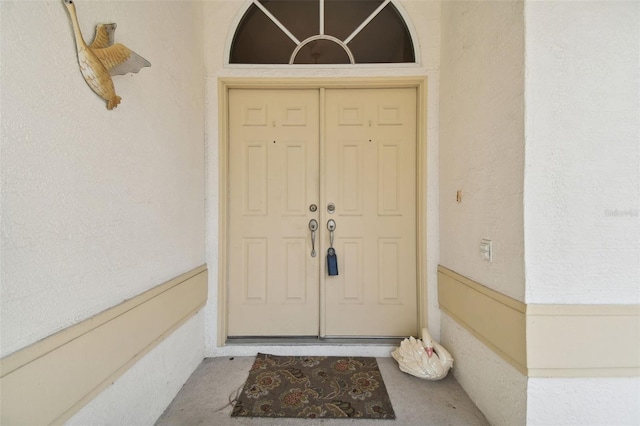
column 314, row 387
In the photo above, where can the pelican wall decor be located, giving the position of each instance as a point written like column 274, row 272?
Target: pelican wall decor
column 424, row 358
column 102, row 59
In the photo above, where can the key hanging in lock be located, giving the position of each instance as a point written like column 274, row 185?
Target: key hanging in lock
column 332, row 259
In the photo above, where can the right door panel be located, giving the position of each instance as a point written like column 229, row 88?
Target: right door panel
column 370, row 176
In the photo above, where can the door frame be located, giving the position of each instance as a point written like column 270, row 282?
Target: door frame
column 227, row 83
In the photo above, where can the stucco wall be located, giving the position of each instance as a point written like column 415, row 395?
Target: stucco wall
column 482, row 142
column 582, row 180
column 97, row 206
column 482, row 155
column 498, row 389
column 221, row 17
column 582, row 185
column 142, row 394
column 584, row 401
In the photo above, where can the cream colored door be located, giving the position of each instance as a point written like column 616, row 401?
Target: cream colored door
column 274, row 178
column 370, row 176
column 280, row 163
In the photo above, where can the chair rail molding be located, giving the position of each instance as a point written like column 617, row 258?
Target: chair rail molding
column 574, row 336
column 63, row 372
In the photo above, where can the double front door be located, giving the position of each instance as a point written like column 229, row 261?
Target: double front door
column 299, row 159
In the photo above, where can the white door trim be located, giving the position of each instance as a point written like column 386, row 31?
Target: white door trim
column 225, row 84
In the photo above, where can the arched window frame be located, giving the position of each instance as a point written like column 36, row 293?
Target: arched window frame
column 403, row 14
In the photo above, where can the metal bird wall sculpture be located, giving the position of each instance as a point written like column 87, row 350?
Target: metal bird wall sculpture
column 105, row 36
column 102, row 59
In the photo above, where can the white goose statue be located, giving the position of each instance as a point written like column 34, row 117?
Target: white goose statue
column 424, row 358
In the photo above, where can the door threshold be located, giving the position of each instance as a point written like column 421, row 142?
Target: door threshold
column 312, row 341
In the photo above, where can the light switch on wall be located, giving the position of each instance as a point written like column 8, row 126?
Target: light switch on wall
column 486, row 249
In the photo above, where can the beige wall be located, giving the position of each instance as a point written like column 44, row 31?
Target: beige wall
column 92, row 356
column 482, row 141
column 577, row 206
column 482, row 155
column 98, row 206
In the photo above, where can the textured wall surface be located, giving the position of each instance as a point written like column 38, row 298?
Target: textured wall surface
column 582, row 186
column 498, row 389
column 151, row 384
column 584, row 401
column 99, row 206
column 220, row 20
column 482, row 155
column 482, row 142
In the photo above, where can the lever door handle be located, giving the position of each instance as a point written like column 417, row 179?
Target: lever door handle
column 332, row 259
column 331, row 226
column 313, row 227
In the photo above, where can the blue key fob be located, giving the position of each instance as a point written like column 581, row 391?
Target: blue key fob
column 332, row 262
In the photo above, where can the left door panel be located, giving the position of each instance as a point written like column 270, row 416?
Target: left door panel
column 273, row 179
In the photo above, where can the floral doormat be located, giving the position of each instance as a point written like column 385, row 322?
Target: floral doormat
column 314, row 387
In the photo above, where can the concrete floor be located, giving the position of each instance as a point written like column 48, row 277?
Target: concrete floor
column 204, row 399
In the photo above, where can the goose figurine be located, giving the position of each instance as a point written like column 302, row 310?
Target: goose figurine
column 424, row 358
column 102, row 59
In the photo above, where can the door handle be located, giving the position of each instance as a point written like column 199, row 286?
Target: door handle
column 332, row 259
column 313, row 227
column 331, row 226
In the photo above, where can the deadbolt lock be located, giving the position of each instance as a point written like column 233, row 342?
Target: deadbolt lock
column 331, row 208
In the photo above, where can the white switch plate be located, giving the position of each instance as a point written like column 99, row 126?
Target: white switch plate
column 486, row 249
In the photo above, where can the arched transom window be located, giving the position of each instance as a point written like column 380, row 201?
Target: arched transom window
column 321, row 32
